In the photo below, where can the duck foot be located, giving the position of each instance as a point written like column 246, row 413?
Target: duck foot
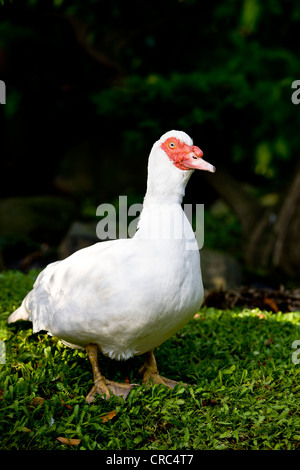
column 150, row 372
column 106, row 387
column 102, row 386
column 159, row 379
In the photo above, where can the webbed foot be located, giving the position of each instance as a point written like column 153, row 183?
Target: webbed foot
column 103, row 386
column 106, row 388
column 150, row 372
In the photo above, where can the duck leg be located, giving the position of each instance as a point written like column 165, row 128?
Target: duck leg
column 102, row 386
column 150, row 372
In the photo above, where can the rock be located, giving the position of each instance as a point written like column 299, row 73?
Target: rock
column 219, row 270
column 85, row 170
column 41, row 218
column 80, row 235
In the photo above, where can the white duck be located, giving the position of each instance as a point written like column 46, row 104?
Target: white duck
column 125, row 297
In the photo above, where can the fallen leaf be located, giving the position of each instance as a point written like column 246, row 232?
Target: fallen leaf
column 24, row 429
column 269, row 341
column 271, row 304
column 108, row 416
column 65, row 404
column 69, row 442
column 36, row 401
column 209, row 401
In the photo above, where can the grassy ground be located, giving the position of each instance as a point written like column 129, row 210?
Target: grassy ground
column 245, row 392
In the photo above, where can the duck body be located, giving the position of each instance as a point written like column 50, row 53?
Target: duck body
column 127, row 296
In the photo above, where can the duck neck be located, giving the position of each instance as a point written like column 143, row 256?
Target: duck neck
column 152, row 199
column 165, row 183
column 162, row 216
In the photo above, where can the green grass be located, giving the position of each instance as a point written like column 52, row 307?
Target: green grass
column 244, row 394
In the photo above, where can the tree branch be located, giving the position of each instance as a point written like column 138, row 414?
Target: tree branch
column 285, row 217
column 81, row 32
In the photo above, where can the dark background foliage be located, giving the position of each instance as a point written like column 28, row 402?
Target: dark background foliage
column 91, row 85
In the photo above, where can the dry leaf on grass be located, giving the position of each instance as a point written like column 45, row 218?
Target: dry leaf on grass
column 65, row 404
column 24, row 429
column 108, row 416
column 36, row 401
column 264, row 298
column 69, row 442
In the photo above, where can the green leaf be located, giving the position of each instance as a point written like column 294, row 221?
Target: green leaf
column 230, row 370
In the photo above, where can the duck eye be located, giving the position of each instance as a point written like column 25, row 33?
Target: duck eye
column 172, row 145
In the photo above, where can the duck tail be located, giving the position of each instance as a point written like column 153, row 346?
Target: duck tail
column 20, row 314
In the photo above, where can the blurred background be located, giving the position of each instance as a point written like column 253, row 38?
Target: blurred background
column 90, row 85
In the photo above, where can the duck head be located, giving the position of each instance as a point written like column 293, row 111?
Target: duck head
column 172, row 160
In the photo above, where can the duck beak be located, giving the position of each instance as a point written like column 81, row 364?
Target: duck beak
column 194, row 160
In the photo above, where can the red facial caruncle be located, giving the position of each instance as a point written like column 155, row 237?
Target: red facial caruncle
column 185, row 157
